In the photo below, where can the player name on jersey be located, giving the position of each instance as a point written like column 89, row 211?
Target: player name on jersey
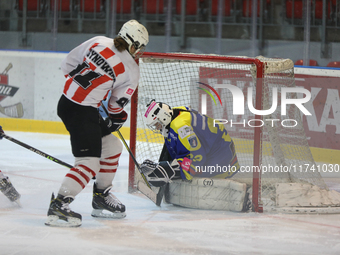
column 100, row 62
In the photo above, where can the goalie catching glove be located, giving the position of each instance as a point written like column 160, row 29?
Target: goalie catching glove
column 115, row 121
column 159, row 174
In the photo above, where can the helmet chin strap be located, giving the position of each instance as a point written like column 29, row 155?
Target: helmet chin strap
column 138, row 52
column 132, row 54
column 165, row 132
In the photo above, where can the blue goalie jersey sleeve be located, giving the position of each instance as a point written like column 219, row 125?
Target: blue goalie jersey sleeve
column 201, row 147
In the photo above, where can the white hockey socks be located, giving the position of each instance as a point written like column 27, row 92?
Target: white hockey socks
column 79, row 176
column 108, row 168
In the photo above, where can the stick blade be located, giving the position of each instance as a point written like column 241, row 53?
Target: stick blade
column 14, row 111
column 155, row 197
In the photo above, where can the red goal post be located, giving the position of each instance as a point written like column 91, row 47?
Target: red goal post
column 171, row 78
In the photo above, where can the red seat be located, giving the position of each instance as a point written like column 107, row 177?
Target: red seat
column 227, row 7
column 32, row 5
column 151, row 6
column 312, row 62
column 247, row 8
column 191, row 7
column 318, row 9
column 298, row 8
column 90, row 5
column 123, row 6
column 63, row 5
column 334, row 64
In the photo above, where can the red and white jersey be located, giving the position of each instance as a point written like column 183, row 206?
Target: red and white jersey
column 95, row 68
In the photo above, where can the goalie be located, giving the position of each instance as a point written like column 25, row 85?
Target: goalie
column 194, row 149
column 193, row 146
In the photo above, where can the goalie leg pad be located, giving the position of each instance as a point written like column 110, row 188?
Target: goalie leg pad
column 211, row 194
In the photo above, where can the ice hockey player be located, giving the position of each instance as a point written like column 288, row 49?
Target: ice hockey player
column 192, row 145
column 8, row 189
column 92, row 70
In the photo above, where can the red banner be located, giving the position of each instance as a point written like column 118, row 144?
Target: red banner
column 3, row 81
column 323, row 126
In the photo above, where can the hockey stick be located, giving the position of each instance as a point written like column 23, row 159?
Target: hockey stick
column 43, row 154
column 133, row 158
column 145, row 186
column 7, row 69
column 128, row 149
column 14, row 111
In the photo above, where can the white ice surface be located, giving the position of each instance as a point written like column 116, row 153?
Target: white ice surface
column 147, row 229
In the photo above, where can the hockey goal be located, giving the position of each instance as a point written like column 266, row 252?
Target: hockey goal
column 269, row 152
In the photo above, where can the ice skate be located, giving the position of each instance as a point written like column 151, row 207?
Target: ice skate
column 60, row 215
column 9, row 191
column 103, row 201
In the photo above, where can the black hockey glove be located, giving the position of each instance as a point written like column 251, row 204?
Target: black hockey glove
column 148, row 166
column 157, row 174
column 115, row 121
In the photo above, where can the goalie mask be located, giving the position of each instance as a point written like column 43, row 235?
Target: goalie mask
column 158, row 117
column 136, row 35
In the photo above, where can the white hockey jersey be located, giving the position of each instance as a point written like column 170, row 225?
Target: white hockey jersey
column 95, row 68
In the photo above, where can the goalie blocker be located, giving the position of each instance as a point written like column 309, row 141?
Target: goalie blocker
column 158, row 174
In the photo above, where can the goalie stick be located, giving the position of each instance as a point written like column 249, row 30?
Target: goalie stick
column 143, row 187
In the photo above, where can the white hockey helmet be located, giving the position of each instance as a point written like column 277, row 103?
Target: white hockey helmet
column 135, row 34
column 158, row 117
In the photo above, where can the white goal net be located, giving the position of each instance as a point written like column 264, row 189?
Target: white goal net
column 271, row 148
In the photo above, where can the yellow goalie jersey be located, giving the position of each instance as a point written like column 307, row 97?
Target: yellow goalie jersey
column 201, row 148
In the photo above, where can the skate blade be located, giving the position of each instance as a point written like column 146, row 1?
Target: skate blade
column 54, row 221
column 18, row 202
column 99, row 213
